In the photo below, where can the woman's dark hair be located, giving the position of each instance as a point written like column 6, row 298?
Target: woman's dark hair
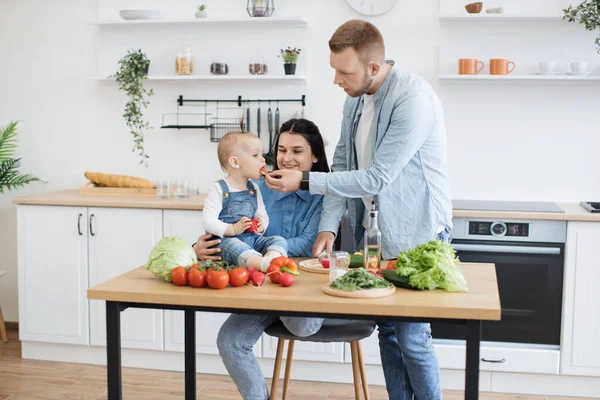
column 309, row 131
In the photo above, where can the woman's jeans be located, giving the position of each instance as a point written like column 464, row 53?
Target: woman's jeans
column 409, row 362
column 237, row 337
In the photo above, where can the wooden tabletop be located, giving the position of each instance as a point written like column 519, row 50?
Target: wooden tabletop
column 482, row 302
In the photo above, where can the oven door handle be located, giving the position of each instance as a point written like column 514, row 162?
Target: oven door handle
column 489, row 248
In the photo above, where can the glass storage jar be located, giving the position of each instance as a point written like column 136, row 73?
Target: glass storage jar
column 257, row 65
column 219, row 66
column 184, row 63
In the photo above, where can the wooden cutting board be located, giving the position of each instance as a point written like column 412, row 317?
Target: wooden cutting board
column 313, row 265
column 92, row 190
column 360, row 294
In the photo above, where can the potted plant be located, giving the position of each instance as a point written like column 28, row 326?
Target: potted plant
column 133, row 71
column 201, row 13
column 290, row 58
column 586, row 13
column 10, row 178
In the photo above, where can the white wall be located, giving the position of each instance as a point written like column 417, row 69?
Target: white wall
column 519, row 141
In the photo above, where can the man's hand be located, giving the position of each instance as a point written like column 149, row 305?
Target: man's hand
column 203, row 250
column 324, row 241
column 284, row 180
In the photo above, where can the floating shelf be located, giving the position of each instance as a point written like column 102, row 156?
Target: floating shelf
column 456, row 77
column 504, row 18
column 256, row 21
column 292, row 78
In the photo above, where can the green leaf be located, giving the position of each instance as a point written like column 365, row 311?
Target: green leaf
column 10, row 177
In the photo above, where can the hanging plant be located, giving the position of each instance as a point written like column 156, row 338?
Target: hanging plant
column 588, row 14
column 133, row 71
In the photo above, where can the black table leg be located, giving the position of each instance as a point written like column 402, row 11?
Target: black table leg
column 113, row 350
column 190, row 354
column 472, row 367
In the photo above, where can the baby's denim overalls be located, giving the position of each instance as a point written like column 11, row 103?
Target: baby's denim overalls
column 236, row 249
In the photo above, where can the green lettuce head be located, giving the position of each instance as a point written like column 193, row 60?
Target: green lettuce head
column 170, row 252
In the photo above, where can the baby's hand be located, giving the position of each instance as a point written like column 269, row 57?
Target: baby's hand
column 260, row 228
column 241, row 226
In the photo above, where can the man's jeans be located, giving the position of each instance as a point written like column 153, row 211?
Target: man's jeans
column 237, row 337
column 409, row 362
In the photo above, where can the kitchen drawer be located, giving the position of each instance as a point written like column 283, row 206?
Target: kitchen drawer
column 500, row 357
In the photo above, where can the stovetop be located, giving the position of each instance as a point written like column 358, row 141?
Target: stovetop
column 518, row 206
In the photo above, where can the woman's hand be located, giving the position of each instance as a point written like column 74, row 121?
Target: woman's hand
column 324, row 241
column 203, row 250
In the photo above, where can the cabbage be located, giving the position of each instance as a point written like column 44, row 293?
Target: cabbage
column 170, row 252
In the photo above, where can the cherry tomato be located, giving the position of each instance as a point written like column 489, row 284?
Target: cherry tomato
column 391, row 265
column 217, row 279
column 238, row 276
column 179, row 276
column 325, row 262
column 197, row 278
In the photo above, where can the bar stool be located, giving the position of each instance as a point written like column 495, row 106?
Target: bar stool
column 3, row 334
column 333, row 330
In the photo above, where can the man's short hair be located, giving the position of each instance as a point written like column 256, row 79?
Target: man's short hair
column 362, row 36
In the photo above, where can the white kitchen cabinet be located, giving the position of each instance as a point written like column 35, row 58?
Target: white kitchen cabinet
column 53, row 275
column 121, row 239
column 581, row 300
column 188, row 225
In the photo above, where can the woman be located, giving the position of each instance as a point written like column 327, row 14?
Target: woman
column 295, row 216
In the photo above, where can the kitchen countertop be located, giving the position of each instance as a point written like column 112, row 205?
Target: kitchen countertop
column 572, row 211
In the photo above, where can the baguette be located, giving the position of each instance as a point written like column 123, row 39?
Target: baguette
column 121, row 181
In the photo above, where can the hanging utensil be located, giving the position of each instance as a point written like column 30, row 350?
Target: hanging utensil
column 277, row 119
column 258, row 120
column 247, row 116
column 270, row 124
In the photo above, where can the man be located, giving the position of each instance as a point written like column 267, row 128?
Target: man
column 392, row 147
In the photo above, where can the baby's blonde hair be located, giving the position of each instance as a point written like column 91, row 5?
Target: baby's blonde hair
column 230, row 143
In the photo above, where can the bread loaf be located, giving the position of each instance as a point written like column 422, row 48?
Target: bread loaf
column 121, row 181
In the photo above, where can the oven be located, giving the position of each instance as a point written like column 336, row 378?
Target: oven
column 529, row 259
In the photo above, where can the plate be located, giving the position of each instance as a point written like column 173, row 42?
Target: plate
column 547, row 73
column 139, row 14
column 360, row 294
column 313, row 265
column 578, row 73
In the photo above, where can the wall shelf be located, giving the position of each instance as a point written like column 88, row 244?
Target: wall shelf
column 258, row 22
column 501, row 18
column 456, row 77
column 290, row 78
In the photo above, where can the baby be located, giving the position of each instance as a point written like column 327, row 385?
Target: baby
column 234, row 209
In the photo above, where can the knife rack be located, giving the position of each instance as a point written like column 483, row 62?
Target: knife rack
column 219, row 122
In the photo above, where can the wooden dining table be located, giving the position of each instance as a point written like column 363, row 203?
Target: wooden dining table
column 138, row 288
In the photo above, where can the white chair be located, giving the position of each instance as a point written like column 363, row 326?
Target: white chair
column 3, row 334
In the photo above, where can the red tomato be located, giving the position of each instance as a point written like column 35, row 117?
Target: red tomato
column 179, row 276
column 194, row 266
column 391, row 265
column 217, row 279
column 258, row 278
column 325, row 262
column 286, row 279
column 253, row 227
column 197, row 278
column 238, row 276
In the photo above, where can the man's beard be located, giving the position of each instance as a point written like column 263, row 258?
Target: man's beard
column 368, row 81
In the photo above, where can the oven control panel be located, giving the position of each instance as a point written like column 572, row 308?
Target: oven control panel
column 499, row 228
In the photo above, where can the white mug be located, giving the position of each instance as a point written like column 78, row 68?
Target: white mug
column 578, row 67
column 546, row 66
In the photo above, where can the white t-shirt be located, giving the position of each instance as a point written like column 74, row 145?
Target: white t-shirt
column 213, row 204
column 364, row 145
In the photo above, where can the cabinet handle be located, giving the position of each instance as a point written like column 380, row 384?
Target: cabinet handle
column 91, row 230
column 502, row 361
column 79, row 224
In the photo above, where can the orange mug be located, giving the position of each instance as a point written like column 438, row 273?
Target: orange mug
column 499, row 66
column 468, row 66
